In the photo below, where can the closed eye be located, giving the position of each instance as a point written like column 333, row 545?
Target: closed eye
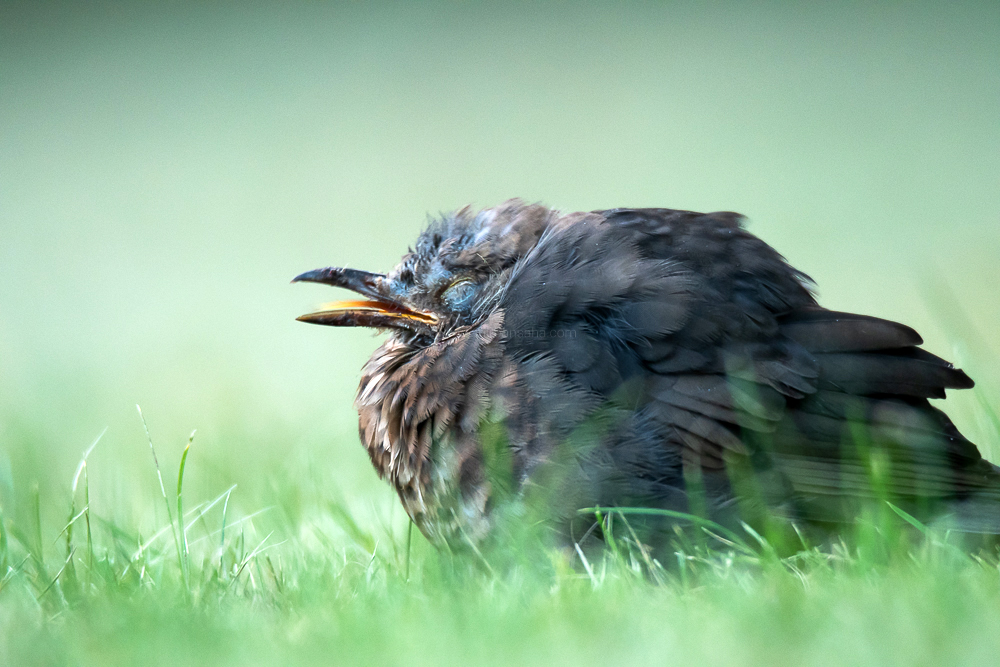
column 460, row 293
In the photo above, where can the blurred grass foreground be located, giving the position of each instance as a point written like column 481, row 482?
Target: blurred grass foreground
column 215, row 586
column 166, row 168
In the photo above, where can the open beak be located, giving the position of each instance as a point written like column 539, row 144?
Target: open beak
column 378, row 310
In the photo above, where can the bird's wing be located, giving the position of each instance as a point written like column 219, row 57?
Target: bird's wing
column 733, row 357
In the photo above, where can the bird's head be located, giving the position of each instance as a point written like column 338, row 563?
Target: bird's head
column 450, row 281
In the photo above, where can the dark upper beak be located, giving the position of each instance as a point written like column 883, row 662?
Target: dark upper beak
column 380, row 310
column 361, row 282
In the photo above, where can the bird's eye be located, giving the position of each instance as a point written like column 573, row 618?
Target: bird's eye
column 459, row 294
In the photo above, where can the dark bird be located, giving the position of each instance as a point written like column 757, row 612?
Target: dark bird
column 646, row 358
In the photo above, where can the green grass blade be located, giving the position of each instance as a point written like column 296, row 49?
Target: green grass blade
column 163, row 490
column 182, row 529
column 910, row 519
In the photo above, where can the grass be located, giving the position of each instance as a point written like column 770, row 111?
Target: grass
column 298, row 575
column 268, row 586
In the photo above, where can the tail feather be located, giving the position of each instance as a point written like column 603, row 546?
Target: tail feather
column 821, row 331
column 871, row 396
column 868, row 373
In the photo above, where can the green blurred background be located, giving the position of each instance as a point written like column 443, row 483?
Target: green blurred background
column 166, row 168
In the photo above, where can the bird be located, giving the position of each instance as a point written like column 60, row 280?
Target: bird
column 659, row 359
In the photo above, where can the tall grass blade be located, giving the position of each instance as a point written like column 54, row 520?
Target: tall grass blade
column 222, row 531
column 37, row 551
column 910, row 519
column 4, row 544
column 68, row 560
column 409, row 542
column 183, row 552
column 586, row 564
column 81, row 469
column 163, row 492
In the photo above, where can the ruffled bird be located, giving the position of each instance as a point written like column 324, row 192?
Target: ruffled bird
column 645, row 358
